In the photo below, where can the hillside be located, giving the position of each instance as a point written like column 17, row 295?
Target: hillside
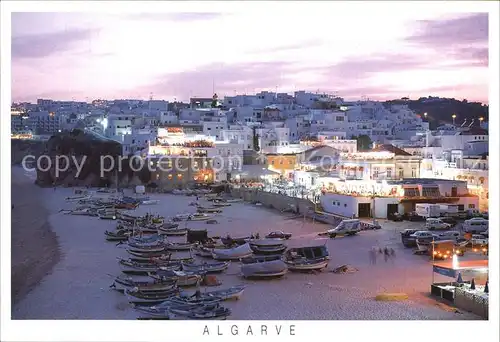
column 439, row 111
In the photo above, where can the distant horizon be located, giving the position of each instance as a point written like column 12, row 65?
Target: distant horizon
column 89, row 101
column 183, row 55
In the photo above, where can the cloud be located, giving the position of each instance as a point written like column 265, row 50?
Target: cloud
column 44, row 45
column 464, row 38
column 295, row 46
column 177, row 17
column 201, row 81
column 363, row 67
column 469, row 29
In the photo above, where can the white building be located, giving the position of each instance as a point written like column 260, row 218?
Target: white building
column 374, row 199
column 45, row 122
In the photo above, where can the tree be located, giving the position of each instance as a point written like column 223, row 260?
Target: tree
column 363, row 141
column 255, row 140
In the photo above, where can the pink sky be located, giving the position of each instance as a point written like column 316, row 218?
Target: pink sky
column 178, row 55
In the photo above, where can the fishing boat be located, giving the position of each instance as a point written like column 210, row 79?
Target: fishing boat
column 217, row 267
column 139, row 268
column 157, row 247
column 232, row 293
column 266, row 269
column 234, row 200
column 261, row 258
column 205, row 313
column 150, row 202
column 117, row 236
column 181, row 246
column 233, row 253
column 148, row 256
column 173, row 231
column 307, row 258
column 221, row 204
column 106, row 216
column 267, row 246
column 203, row 252
column 229, row 241
column 77, row 198
column 168, row 225
column 147, row 298
column 184, row 279
column 198, row 217
column 201, row 209
column 121, row 284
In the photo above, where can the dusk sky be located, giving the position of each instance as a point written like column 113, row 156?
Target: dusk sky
column 381, row 56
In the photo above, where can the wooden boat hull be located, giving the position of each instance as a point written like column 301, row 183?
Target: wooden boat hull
column 198, row 218
column 266, row 275
column 148, row 300
column 308, row 266
column 222, row 257
column 207, row 268
column 182, row 281
column 172, row 232
column 122, row 285
column 268, row 249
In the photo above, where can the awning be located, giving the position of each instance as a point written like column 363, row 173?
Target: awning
column 469, row 268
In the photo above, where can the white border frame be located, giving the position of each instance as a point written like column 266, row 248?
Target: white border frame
column 187, row 331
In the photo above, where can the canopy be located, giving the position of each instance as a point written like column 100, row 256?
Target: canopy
column 466, row 268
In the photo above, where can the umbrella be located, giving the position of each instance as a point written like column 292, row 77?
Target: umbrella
column 472, row 284
column 459, row 278
column 486, row 290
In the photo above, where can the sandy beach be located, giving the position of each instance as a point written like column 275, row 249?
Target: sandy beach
column 35, row 249
column 78, row 286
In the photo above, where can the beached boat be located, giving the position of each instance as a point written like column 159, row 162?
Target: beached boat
column 77, row 198
column 107, row 216
column 307, row 258
column 232, row 253
column 267, row 246
column 221, row 204
column 126, row 283
column 234, row 200
column 142, row 268
column 148, row 255
column 184, row 279
column 266, row 269
column 198, row 217
column 117, row 236
column 205, row 313
column 157, row 247
column 232, row 293
column 150, row 202
column 217, row 267
column 181, row 246
column 261, row 258
column 229, row 241
column 201, row 209
column 147, row 298
column 203, row 252
column 172, row 231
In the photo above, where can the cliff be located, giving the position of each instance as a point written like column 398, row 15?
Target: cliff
column 85, row 150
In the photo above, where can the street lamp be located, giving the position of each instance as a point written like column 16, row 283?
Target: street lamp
column 454, row 116
column 425, row 115
column 481, row 119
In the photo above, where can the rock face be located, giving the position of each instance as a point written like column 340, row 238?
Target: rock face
column 21, row 148
column 89, row 152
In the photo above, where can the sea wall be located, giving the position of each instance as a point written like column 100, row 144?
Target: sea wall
column 272, row 200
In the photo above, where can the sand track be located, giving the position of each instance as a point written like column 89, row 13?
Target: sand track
column 35, row 249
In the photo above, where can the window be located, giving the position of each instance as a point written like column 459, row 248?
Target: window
column 401, row 173
column 339, row 118
column 389, row 173
column 375, row 172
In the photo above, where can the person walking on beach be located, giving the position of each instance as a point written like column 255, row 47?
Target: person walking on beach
column 373, row 256
column 386, row 254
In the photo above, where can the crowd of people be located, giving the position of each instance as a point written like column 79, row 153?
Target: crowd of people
column 388, row 253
